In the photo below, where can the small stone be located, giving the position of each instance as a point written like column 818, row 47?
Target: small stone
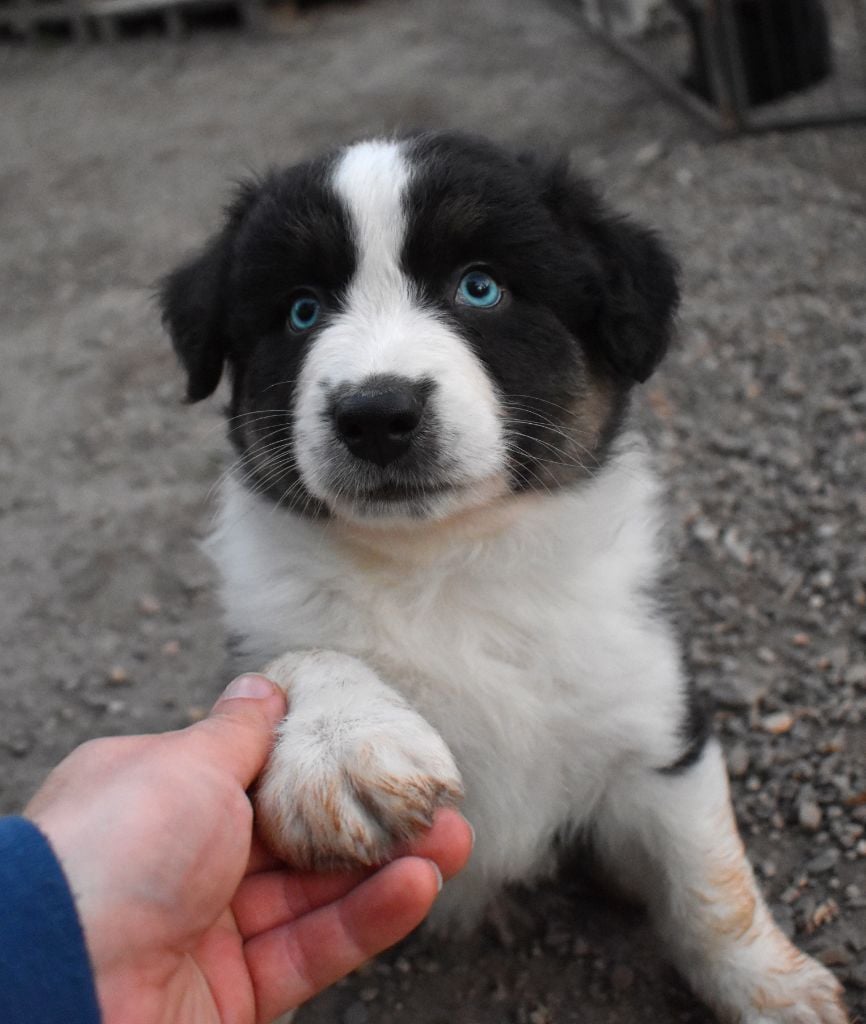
column 19, row 745
column 737, row 692
column 649, row 153
column 117, row 676
column 705, row 531
column 403, row 965
column 195, row 713
column 823, row 914
column 835, row 956
column 738, row 760
column 801, row 639
column 736, row 547
column 856, row 675
column 777, row 723
column 368, row 994
column 825, row 861
column 809, row 815
column 171, row 648
column 148, row 605
column 791, row 895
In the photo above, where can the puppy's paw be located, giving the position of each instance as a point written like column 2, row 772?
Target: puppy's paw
column 804, row 993
column 341, row 792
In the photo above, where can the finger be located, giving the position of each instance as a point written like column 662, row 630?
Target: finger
column 289, row 965
column 448, row 843
column 238, row 733
column 270, row 896
column 273, row 898
column 261, row 858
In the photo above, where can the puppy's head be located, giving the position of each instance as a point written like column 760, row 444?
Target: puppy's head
column 417, row 327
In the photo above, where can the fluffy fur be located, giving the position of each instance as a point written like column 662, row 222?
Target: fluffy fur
column 444, row 542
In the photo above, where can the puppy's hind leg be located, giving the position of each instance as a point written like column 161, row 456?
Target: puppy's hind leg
column 672, row 836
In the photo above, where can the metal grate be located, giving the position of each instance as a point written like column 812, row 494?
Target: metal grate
column 744, row 65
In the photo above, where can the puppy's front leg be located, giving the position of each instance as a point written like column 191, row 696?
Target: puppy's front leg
column 354, row 769
column 674, row 838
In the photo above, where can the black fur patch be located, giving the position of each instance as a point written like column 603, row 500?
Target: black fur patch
column 695, row 730
column 587, row 311
column 589, row 297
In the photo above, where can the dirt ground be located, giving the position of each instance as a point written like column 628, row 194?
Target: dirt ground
column 113, row 163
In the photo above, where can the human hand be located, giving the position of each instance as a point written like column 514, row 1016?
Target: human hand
column 187, row 919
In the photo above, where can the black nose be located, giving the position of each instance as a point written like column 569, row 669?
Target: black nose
column 377, row 424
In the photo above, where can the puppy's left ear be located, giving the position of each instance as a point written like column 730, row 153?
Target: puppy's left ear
column 193, row 300
column 632, row 290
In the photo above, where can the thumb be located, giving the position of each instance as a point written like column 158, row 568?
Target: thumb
column 238, row 733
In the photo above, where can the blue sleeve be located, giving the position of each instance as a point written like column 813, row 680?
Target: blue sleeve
column 45, row 975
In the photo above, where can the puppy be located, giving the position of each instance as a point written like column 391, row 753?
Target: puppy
column 442, row 529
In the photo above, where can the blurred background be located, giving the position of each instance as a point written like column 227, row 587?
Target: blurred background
column 121, row 131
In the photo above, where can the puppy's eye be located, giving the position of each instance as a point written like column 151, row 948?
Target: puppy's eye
column 478, row 289
column 304, row 313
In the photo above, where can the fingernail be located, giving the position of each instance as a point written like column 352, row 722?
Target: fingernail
column 435, row 867
column 251, row 687
column 471, row 832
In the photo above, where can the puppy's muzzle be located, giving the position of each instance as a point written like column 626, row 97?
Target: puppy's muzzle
column 379, row 422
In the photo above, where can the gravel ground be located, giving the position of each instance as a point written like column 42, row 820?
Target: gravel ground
column 113, row 163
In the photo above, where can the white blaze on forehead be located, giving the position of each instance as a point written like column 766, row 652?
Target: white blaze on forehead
column 371, row 179
column 385, row 328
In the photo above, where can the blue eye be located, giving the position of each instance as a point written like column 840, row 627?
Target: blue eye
column 304, row 312
column 478, row 289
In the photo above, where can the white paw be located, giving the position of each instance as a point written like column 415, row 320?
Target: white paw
column 800, row 992
column 341, row 788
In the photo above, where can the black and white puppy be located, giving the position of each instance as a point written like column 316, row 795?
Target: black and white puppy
column 438, row 513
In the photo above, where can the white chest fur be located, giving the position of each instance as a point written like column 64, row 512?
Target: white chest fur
column 525, row 635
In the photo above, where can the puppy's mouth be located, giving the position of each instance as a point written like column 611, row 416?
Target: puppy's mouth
column 397, row 493
column 394, row 499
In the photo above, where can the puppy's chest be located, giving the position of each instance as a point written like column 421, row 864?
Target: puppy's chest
column 465, row 642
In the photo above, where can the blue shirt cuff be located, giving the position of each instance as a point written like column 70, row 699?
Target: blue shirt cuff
column 45, row 973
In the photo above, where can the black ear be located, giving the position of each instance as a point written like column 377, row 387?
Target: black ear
column 193, row 301
column 634, row 288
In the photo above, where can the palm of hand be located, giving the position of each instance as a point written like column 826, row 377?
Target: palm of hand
column 187, row 919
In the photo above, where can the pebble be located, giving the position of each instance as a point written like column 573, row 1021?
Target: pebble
column 649, row 153
column 835, row 956
column 19, row 745
column 825, row 861
column 738, row 760
column 809, row 815
column 777, row 723
column 148, row 605
column 856, row 676
column 737, row 692
column 117, row 676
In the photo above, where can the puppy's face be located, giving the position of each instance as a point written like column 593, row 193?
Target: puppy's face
column 415, row 328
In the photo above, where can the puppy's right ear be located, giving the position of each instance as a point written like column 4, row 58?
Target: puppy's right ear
column 193, row 301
